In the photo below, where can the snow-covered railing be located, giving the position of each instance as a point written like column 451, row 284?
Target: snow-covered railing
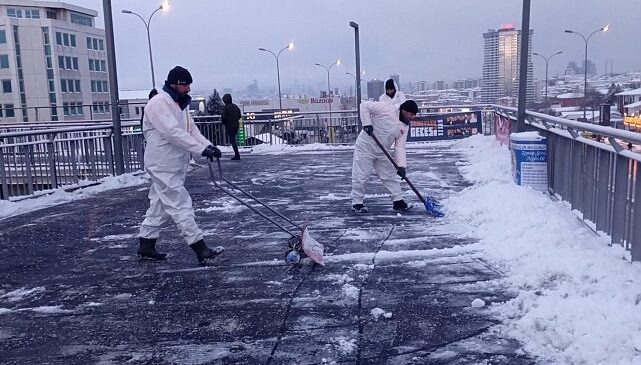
column 595, row 169
column 49, row 158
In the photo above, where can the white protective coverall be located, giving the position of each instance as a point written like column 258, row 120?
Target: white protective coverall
column 399, row 98
column 171, row 136
column 367, row 155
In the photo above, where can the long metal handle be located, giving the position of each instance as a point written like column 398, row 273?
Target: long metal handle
column 211, row 172
column 220, row 173
column 389, row 157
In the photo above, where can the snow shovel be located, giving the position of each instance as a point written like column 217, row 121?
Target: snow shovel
column 432, row 206
column 297, row 242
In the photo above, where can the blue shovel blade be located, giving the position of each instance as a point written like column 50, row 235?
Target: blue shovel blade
column 433, row 207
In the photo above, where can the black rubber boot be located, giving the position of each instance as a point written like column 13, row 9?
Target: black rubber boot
column 359, row 208
column 147, row 250
column 401, row 205
column 204, row 253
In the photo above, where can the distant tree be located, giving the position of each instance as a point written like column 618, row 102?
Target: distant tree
column 214, row 104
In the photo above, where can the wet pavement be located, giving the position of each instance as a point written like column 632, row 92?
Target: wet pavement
column 396, row 289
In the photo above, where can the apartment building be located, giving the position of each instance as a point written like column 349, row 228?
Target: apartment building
column 501, row 65
column 53, row 63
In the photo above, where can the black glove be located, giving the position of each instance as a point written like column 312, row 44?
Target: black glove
column 401, row 172
column 212, row 152
column 368, row 129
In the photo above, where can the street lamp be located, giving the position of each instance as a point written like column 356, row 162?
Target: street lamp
column 329, row 90
column 356, row 79
column 164, row 7
column 290, row 46
column 547, row 60
column 585, row 63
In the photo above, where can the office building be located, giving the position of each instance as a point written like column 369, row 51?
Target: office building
column 501, row 65
column 53, row 62
column 375, row 88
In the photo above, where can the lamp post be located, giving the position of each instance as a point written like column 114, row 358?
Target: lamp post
column 356, row 79
column 164, row 7
column 585, row 63
column 547, row 61
column 329, row 90
column 357, row 53
column 290, row 46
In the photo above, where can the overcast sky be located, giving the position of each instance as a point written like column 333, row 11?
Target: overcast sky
column 418, row 39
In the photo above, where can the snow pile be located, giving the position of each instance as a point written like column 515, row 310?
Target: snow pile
column 378, row 312
column 59, row 196
column 577, row 298
column 22, row 293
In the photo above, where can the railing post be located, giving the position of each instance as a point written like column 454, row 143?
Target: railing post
column 109, row 156
column 4, row 193
column 27, row 153
column 51, row 157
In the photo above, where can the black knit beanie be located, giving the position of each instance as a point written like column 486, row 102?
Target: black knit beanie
column 179, row 76
column 410, row 106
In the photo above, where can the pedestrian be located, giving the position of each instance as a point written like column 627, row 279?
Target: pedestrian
column 390, row 126
column 230, row 118
column 171, row 137
column 391, row 95
column 153, row 92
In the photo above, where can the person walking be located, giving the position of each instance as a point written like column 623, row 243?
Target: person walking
column 389, row 125
column 391, row 95
column 230, row 118
column 171, row 137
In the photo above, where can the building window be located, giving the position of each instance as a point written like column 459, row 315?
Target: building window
column 59, row 38
column 6, row 86
column 63, row 85
column 91, row 68
column 61, row 62
column 32, row 13
column 4, row 61
column 8, row 111
column 3, row 36
column 81, row 19
column 72, row 40
column 65, row 39
column 101, row 44
column 68, row 63
column 77, row 82
column 14, row 13
column 51, row 14
column 103, row 66
column 75, row 62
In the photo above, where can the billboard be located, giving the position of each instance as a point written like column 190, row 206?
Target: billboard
column 445, row 126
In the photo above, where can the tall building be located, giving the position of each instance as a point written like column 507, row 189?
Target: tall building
column 375, row 88
column 501, row 65
column 53, row 62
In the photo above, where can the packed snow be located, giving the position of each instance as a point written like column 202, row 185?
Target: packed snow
column 576, row 300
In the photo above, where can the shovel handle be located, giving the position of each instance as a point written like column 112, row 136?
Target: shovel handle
column 389, row 157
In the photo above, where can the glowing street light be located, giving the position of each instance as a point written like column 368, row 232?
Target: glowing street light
column 164, row 7
column 289, row 47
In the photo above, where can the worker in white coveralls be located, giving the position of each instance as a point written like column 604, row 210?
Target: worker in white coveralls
column 389, row 125
column 391, row 95
column 171, row 137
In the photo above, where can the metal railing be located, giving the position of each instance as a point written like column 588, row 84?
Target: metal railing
column 48, row 155
column 32, row 161
column 304, row 128
column 594, row 169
